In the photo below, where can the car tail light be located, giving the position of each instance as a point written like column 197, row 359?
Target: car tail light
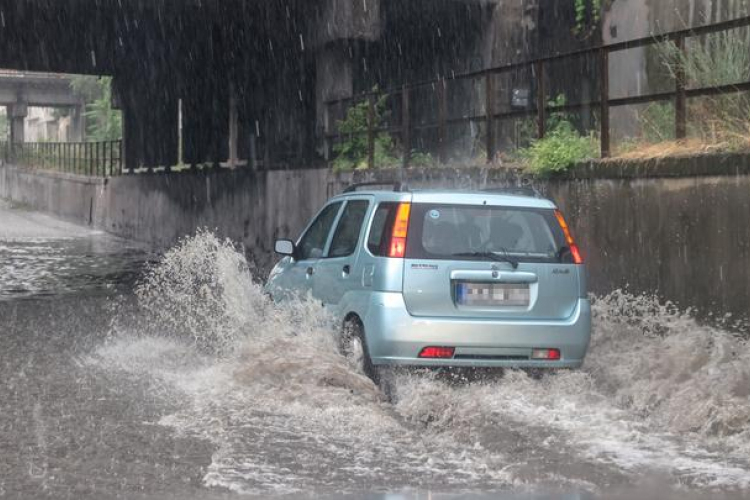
column 546, row 354
column 574, row 250
column 437, row 352
column 397, row 248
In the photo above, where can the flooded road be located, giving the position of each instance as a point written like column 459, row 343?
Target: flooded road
column 181, row 380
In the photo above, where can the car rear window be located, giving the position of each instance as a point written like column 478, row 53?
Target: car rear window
column 454, row 232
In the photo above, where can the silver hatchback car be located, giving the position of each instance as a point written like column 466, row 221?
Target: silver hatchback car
column 444, row 278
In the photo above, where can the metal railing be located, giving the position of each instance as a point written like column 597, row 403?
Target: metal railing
column 95, row 159
column 541, row 108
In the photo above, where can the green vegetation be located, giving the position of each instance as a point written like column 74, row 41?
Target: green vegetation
column 588, row 16
column 352, row 152
column 720, row 122
column 4, row 127
column 715, row 60
column 102, row 122
column 561, row 148
column 658, row 122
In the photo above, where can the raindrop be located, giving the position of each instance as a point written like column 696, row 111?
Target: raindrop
column 257, row 128
column 301, row 42
column 93, row 59
column 300, row 95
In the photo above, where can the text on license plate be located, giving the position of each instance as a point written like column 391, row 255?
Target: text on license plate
column 492, row 294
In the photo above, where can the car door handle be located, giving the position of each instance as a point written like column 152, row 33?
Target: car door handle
column 347, row 269
column 310, row 271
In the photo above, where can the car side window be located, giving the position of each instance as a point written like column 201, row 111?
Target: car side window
column 314, row 241
column 347, row 233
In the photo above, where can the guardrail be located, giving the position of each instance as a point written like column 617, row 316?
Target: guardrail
column 540, row 109
column 95, row 159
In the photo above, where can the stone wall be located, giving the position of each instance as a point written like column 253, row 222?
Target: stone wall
column 677, row 227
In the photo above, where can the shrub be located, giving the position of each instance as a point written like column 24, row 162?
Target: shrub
column 561, row 148
column 352, row 152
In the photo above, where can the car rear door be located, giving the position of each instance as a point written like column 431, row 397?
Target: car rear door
column 455, row 263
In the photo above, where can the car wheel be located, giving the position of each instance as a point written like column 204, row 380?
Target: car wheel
column 354, row 348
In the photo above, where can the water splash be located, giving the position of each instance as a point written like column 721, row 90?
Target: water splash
column 286, row 412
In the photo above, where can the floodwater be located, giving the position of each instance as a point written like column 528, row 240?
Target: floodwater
column 180, row 380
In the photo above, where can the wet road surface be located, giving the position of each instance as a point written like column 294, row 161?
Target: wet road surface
column 182, row 381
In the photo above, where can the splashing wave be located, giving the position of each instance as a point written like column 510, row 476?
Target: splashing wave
column 287, row 412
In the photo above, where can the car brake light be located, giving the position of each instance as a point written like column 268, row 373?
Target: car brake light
column 397, row 248
column 546, row 354
column 437, row 352
column 574, row 250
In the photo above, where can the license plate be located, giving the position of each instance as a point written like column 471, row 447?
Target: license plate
column 492, row 294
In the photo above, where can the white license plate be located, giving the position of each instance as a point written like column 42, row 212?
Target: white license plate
column 492, row 294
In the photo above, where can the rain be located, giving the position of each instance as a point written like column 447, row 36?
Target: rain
column 152, row 152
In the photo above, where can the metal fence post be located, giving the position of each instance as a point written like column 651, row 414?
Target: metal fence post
column 370, row 132
column 604, row 102
column 406, row 126
column 680, row 102
column 490, row 111
column 112, row 159
column 442, row 119
column 541, row 100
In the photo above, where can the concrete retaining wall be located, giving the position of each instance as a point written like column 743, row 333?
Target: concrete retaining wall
column 73, row 197
column 677, row 227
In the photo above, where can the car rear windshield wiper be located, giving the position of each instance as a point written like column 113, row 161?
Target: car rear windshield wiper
column 499, row 257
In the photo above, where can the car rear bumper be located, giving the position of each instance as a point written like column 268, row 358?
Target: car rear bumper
column 395, row 337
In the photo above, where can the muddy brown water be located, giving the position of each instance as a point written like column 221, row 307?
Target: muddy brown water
column 196, row 387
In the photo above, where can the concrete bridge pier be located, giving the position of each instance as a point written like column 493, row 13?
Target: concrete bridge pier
column 17, row 113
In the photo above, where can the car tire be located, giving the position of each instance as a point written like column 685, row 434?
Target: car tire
column 353, row 346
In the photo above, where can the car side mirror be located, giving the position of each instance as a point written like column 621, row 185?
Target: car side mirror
column 284, row 247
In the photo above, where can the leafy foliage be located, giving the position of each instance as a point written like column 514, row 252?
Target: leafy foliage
column 352, row 152
column 561, row 148
column 588, row 15
column 102, row 122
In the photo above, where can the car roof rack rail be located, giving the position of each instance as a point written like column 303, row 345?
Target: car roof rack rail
column 395, row 186
column 516, row 190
